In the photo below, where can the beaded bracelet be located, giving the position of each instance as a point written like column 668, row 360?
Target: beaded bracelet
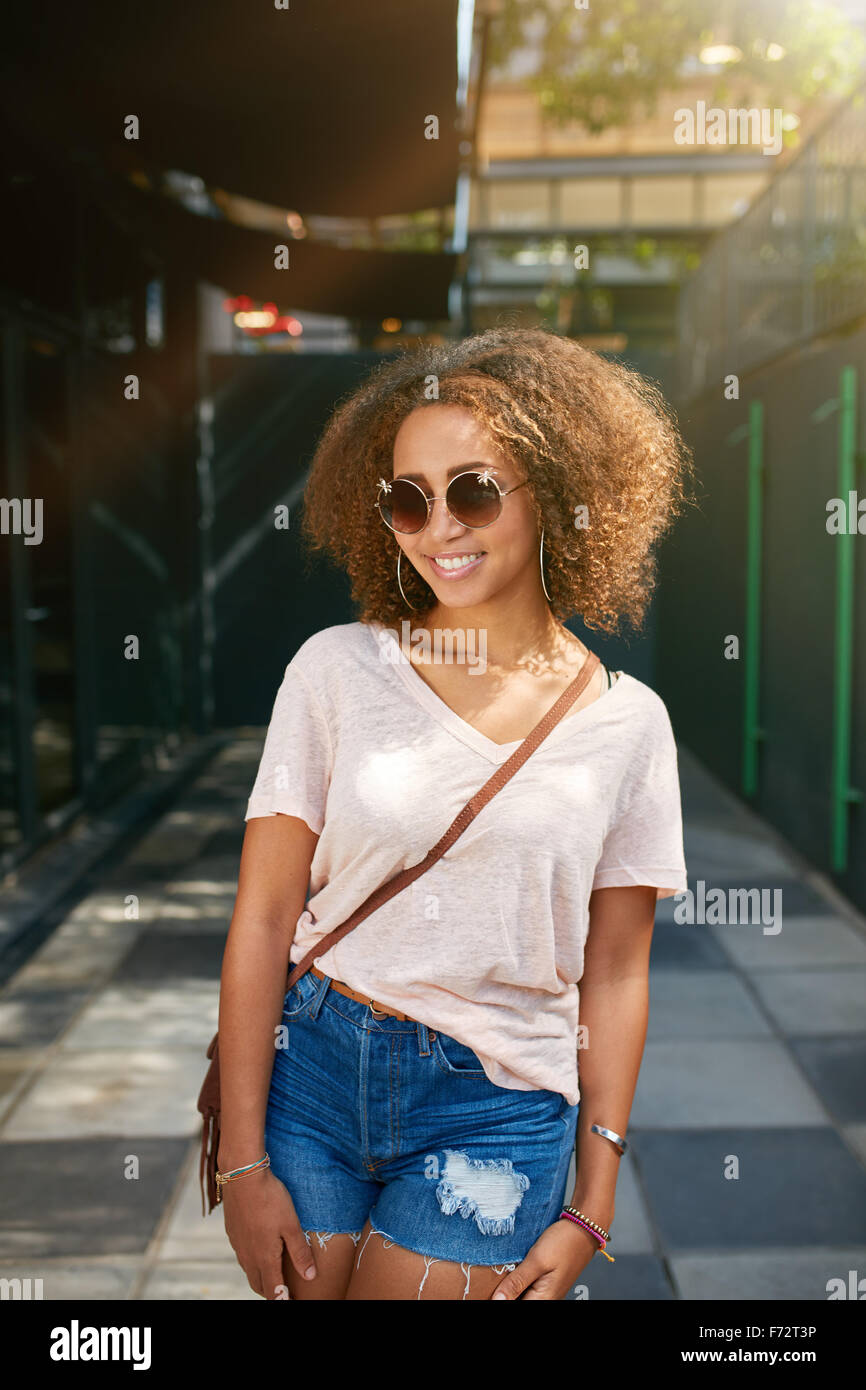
column 581, row 1219
column 223, row 1178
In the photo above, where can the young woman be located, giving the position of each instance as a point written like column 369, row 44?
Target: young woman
column 421, row 1104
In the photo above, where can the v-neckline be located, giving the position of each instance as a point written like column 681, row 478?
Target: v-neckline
column 494, row 752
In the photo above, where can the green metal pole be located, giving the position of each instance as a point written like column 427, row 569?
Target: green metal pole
column 752, row 643
column 842, row 791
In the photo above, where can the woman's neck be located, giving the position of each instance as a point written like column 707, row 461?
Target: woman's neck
column 518, row 635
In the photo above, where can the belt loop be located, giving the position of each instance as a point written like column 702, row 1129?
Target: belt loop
column 423, row 1040
column 319, row 997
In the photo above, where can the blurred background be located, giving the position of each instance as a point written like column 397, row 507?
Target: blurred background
column 217, row 218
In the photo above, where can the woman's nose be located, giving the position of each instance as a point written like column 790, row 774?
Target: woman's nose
column 441, row 523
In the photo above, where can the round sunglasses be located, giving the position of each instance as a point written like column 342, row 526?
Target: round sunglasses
column 472, row 499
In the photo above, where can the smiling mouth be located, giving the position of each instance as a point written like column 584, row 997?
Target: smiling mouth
column 453, row 564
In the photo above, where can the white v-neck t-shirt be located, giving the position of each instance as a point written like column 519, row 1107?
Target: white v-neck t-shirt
column 488, row 944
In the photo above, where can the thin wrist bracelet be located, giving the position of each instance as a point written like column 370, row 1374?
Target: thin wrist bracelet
column 575, row 1211
column 617, row 1139
column 568, row 1214
column 235, row 1173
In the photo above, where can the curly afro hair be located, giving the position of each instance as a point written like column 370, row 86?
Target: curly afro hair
column 584, row 430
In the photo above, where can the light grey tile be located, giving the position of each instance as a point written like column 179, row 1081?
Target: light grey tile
column 769, row 1275
column 108, row 908
column 190, row 1282
column 695, row 1084
column 195, row 912
column 702, row 1004
column 803, row 941
column 79, row 1280
column 176, row 838
column 809, row 1002
column 134, row 1091
column 79, row 953
column 189, row 1235
column 182, row 1013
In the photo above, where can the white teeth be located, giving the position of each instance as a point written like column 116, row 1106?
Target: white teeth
column 456, row 562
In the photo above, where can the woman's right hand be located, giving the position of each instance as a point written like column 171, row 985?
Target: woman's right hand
column 260, row 1220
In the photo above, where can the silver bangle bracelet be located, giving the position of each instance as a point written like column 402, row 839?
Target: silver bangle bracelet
column 609, row 1134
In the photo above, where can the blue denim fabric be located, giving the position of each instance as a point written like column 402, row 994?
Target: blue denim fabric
column 380, row 1118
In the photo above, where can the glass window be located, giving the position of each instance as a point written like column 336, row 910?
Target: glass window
column 591, row 203
column 519, row 203
column 663, row 201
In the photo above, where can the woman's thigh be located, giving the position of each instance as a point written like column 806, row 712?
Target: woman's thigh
column 383, row 1271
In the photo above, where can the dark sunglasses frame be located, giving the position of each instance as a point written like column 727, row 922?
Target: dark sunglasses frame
column 484, row 477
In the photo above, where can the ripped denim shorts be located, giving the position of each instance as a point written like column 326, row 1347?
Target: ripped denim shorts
column 386, row 1119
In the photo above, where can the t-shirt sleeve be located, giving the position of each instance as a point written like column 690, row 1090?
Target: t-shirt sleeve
column 644, row 843
column 295, row 768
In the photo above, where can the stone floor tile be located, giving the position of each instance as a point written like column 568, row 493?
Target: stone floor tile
column 17, row 1067
column 702, row 1004
column 171, row 956
column 188, row 1282
column 79, row 954
column 856, row 1137
column 767, row 1275
column 684, row 947
column 71, row 1196
column 692, row 1084
column 34, row 1017
column 837, row 1069
column 136, row 1091
column 715, row 852
column 805, row 1002
column 803, row 941
column 797, row 1187
column 189, row 1235
column 100, row 1279
column 180, row 1013
column 799, row 898
column 630, row 1277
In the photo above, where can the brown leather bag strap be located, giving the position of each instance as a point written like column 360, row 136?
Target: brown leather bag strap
column 494, row 784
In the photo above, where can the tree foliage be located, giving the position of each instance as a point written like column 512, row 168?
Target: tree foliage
column 606, row 65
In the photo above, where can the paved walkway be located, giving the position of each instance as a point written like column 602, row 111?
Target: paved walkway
column 754, row 1066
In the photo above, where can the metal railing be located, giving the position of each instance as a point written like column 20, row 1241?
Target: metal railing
column 792, row 267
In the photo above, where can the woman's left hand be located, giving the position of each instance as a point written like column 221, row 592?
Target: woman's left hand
column 552, row 1265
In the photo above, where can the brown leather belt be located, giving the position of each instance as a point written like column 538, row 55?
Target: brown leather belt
column 377, row 1010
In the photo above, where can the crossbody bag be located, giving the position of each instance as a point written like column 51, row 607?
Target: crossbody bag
column 209, row 1096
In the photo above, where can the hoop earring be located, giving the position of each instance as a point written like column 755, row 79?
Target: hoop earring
column 400, row 582
column 541, row 567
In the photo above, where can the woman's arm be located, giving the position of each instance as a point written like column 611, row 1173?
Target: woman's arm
column 614, row 1008
column 272, row 888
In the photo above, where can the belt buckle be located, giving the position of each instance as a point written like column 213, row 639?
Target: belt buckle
column 381, row 1013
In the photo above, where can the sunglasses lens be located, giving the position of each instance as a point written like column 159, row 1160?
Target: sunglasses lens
column 404, row 508
column 473, row 503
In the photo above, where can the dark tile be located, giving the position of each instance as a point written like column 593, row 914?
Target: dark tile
column 165, row 955
column 636, row 1277
column 798, row 899
column 837, row 1068
column 70, row 1197
column 686, row 947
column 796, row 1187
column 219, row 797
column 34, row 1017
column 226, row 841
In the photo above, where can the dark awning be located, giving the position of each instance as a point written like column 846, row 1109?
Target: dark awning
column 319, row 107
column 320, row 278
